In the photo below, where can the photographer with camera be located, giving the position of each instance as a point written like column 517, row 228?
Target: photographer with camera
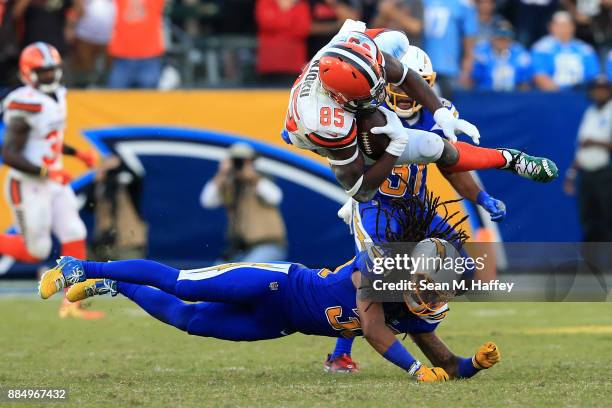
column 256, row 231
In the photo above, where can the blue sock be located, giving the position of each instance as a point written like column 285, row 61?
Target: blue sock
column 343, row 346
column 141, row 272
column 161, row 305
column 466, row 369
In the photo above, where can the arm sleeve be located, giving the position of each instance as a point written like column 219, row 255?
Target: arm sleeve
column 19, row 108
column 591, row 65
column 470, row 20
column 479, row 70
column 523, row 68
column 269, row 192
column 541, row 63
column 210, row 197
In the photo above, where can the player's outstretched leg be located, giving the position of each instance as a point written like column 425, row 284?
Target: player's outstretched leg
column 70, row 271
column 340, row 361
column 223, row 283
column 469, row 157
column 223, row 321
column 91, row 287
column 159, row 304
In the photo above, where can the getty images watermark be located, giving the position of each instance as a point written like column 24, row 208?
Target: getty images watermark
column 419, row 264
column 576, row 272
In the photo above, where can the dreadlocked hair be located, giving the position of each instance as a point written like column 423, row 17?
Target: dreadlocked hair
column 414, row 218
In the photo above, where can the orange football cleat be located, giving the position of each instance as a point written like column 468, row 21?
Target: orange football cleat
column 77, row 311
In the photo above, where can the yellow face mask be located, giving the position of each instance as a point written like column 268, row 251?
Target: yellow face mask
column 401, row 103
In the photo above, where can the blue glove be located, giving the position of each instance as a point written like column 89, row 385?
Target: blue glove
column 493, row 206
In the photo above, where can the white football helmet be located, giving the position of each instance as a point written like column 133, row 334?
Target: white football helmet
column 417, row 60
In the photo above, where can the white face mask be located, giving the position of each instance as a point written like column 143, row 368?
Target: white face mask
column 50, row 87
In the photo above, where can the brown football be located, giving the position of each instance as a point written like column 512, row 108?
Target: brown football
column 371, row 145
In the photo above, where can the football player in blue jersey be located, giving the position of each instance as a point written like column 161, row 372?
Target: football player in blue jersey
column 259, row 301
column 404, row 182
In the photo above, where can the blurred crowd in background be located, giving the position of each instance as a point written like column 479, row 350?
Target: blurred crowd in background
column 474, row 44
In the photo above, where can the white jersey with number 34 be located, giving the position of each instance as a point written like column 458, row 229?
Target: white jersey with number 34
column 46, row 117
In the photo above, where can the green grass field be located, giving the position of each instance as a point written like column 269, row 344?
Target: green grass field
column 553, row 355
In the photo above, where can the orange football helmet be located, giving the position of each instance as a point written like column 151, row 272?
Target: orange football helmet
column 38, row 57
column 351, row 71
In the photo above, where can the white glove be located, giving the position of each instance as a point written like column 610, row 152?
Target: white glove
column 346, row 213
column 395, row 130
column 451, row 125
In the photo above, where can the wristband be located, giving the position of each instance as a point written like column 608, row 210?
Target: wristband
column 43, row 172
column 69, row 150
column 397, row 146
column 467, row 367
column 399, row 356
column 571, row 173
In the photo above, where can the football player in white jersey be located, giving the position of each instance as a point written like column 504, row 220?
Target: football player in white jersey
column 351, row 74
column 37, row 185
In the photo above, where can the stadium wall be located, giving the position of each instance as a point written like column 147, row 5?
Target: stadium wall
column 178, row 137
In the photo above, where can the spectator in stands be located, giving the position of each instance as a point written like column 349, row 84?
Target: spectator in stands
column 9, row 47
column 501, row 64
column 402, row 15
column 559, row 60
column 137, row 44
column 584, row 13
column 487, row 19
column 529, row 18
column 92, row 32
column 44, row 20
column 327, row 18
column 450, row 30
column 256, row 231
column 601, row 27
column 592, row 168
column 283, row 26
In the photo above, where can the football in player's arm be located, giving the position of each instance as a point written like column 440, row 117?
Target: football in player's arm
column 350, row 75
column 348, row 163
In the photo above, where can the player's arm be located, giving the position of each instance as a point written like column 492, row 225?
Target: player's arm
column 411, row 83
column 465, row 185
column 382, row 339
column 86, row 156
column 348, row 165
column 440, row 355
column 414, row 85
column 15, row 139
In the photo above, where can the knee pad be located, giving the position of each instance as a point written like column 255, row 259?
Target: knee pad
column 430, row 147
column 39, row 247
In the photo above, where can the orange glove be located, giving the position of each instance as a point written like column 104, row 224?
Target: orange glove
column 435, row 374
column 59, row 176
column 87, row 156
column 487, row 356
